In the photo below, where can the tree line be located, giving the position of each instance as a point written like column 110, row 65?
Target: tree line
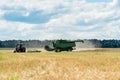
column 40, row 44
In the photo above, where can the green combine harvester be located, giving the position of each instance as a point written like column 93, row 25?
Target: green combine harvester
column 62, row 45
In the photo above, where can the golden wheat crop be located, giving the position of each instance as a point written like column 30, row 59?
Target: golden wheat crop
column 99, row 64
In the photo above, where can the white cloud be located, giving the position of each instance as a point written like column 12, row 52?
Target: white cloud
column 115, row 3
column 70, row 20
column 14, row 30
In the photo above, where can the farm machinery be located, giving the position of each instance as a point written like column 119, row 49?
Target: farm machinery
column 20, row 48
column 62, row 45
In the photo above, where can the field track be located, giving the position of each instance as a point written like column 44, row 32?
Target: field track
column 87, row 64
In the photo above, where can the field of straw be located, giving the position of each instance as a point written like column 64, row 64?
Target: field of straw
column 99, row 64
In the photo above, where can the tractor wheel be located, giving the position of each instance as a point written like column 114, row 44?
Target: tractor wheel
column 24, row 50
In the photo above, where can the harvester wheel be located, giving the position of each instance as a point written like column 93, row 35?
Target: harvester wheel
column 69, row 49
column 57, row 50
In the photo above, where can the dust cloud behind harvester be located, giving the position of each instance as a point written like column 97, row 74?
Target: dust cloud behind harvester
column 87, row 45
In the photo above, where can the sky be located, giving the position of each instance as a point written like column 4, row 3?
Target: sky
column 59, row 19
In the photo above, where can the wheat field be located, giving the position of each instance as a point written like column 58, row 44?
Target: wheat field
column 97, row 64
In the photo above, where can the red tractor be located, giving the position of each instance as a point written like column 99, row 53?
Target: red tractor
column 20, row 48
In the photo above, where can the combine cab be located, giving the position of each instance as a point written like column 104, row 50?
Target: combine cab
column 20, row 48
column 62, row 45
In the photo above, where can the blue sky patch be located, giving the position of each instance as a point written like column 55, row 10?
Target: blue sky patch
column 34, row 17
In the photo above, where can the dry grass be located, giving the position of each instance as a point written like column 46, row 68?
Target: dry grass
column 100, row 64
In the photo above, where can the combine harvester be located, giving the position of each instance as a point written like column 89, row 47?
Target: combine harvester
column 62, row 45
